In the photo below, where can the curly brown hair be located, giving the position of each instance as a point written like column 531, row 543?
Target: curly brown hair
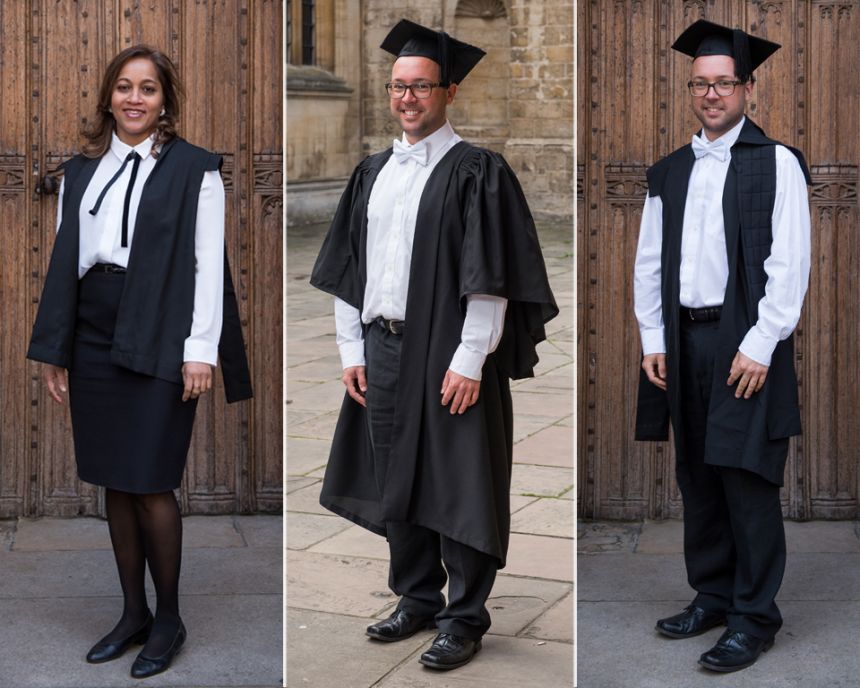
column 98, row 133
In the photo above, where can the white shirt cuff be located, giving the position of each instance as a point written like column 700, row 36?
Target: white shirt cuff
column 200, row 351
column 351, row 354
column 653, row 341
column 468, row 363
column 757, row 346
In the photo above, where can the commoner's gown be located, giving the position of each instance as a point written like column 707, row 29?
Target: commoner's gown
column 124, row 336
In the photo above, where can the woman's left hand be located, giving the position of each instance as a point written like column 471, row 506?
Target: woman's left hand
column 197, row 378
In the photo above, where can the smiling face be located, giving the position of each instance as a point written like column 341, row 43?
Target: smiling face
column 136, row 100
column 718, row 114
column 419, row 117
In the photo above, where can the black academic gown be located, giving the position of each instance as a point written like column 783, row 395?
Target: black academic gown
column 157, row 304
column 741, row 433
column 474, row 235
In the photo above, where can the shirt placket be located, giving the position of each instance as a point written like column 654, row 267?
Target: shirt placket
column 398, row 218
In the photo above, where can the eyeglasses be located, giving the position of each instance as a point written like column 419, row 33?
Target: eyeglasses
column 420, row 89
column 724, row 87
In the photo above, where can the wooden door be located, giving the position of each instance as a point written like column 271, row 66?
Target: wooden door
column 633, row 109
column 229, row 55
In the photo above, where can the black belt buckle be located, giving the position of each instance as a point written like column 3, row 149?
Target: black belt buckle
column 395, row 327
column 109, row 268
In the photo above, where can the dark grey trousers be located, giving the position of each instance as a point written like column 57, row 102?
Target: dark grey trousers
column 416, row 571
column 734, row 541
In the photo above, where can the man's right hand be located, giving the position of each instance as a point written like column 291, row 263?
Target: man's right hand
column 356, row 383
column 654, row 366
column 55, row 380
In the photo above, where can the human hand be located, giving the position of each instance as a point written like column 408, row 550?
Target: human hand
column 356, row 383
column 463, row 390
column 197, row 378
column 54, row 378
column 750, row 374
column 654, row 366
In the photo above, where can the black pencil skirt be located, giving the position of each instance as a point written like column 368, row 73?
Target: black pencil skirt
column 131, row 431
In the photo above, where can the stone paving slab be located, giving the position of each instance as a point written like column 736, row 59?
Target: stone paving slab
column 667, row 537
column 540, row 557
column 502, row 663
column 233, row 640
column 324, row 396
column 554, row 624
column 320, row 426
column 521, row 502
column 529, row 398
column 61, row 534
column 545, row 517
column 552, row 446
column 307, row 500
column 92, row 573
column 305, row 530
column 332, row 651
column 624, row 651
column 542, row 481
column 515, row 602
column 307, row 454
column 261, row 530
column 526, row 425
column 298, row 482
column 337, row 584
column 354, row 541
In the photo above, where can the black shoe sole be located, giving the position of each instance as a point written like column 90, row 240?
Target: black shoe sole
column 446, row 667
column 429, row 626
column 729, row 669
column 671, row 634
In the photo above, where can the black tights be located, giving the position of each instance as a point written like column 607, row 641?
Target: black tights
column 146, row 528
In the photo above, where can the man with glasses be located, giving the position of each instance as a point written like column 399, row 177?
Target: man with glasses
column 721, row 270
column 441, row 296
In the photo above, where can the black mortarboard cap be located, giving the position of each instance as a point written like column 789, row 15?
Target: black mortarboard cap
column 455, row 58
column 706, row 38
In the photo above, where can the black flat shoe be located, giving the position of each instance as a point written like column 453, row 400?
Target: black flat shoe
column 399, row 626
column 450, row 651
column 106, row 651
column 144, row 667
column 735, row 650
column 691, row 622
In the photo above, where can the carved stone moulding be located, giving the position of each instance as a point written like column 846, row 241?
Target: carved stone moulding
column 482, row 9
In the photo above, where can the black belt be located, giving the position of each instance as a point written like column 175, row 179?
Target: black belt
column 393, row 326
column 707, row 314
column 109, row 268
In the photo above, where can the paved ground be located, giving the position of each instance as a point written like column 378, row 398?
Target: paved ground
column 337, row 572
column 59, row 593
column 629, row 575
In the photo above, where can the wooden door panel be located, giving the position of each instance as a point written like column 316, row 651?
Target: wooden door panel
column 634, row 108
column 228, row 53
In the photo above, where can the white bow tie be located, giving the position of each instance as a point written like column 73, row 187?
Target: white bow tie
column 418, row 152
column 719, row 149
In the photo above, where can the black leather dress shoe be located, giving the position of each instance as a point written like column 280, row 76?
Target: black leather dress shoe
column 144, row 667
column 106, row 651
column 734, row 650
column 398, row 626
column 690, row 622
column 450, row 651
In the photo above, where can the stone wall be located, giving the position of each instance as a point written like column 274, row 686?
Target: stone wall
column 518, row 100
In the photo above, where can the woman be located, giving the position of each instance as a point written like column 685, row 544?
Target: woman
column 133, row 305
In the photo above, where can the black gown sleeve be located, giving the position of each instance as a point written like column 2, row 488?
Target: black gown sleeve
column 501, row 256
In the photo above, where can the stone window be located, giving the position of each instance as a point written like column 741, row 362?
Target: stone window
column 310, row 33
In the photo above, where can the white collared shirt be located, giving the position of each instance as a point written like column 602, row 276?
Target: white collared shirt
column 391, row 215
column 100, row 238
column 704, row 262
